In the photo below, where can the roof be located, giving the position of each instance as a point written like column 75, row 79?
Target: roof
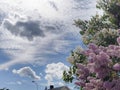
column 60, row 88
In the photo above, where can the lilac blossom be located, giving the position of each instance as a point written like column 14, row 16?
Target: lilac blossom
column 116, row 66
column 102, row 68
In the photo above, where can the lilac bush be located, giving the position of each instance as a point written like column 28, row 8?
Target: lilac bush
column 102, row 68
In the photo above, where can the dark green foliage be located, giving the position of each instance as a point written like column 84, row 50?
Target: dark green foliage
column 68, row 76
column 96, row 23
column 90, row 28
column 111, row 8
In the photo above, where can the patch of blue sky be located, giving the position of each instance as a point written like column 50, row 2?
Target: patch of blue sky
column 3, row 56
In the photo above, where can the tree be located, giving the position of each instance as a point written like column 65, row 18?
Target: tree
column 102, row 31
column 109, row 20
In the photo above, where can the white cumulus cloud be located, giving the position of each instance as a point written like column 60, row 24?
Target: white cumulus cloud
column 26, row 72
column 54, row 72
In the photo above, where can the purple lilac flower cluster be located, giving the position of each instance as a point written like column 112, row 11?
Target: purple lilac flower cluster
column 102, row 69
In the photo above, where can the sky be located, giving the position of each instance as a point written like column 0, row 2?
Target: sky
column 36, row 37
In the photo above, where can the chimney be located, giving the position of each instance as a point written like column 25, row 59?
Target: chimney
column 45, row 88
column 51, row 87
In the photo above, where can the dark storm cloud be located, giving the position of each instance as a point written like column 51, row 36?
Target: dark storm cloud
column 53, row 28
column 28, row 29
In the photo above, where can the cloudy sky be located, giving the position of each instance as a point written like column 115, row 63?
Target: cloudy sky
column 36, row 37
